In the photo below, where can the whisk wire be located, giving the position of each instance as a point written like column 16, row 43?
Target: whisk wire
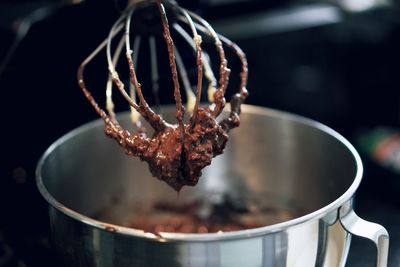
column 154, row 71
column 135, row 116
column 197, row 42
column 190, row 96
column 180, row 110
column 224, row 71
column 109, row 102
column 215, row 91
column 208, row 72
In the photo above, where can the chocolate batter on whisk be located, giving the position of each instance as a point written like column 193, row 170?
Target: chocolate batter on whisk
column 176, row 153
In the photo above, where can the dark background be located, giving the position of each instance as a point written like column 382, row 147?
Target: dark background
column 341, row 69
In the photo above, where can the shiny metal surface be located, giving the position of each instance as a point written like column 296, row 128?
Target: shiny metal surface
column 372, row 231
column 292, row 162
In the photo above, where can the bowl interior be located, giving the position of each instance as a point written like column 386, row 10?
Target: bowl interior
column 275, row 167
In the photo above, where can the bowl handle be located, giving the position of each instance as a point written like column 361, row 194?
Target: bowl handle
column 372, row 231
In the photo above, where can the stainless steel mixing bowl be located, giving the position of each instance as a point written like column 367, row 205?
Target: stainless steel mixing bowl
column 294, row 163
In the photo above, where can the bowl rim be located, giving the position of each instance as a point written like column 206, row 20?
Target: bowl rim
column 234, row 235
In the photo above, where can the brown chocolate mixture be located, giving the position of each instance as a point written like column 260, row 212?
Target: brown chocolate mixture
column 167, row 217
column 177, row 153
column 202, row 216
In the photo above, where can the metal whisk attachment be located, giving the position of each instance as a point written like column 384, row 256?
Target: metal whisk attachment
column 176, row 153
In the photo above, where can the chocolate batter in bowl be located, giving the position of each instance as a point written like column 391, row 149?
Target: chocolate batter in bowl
column 212, row 212
column 281, row 195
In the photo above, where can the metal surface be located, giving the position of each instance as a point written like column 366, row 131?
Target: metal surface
column 290, row 161
column 372, row 231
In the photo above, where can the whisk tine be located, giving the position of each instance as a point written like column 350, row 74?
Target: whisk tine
column 190, row 96
column 242, row 57
column 180, row 110
column 143, row 108
column 208, row 72
column 129, row 55
column 239, row 53
column 115, row 77
column 224, row 71
column 117, row 25
column 197, row 43
column 109, row 101
column 154, row 71
column 233, row 120
column 135, row 116
column 80, row 75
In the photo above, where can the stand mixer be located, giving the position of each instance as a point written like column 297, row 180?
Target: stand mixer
column 295, row 164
